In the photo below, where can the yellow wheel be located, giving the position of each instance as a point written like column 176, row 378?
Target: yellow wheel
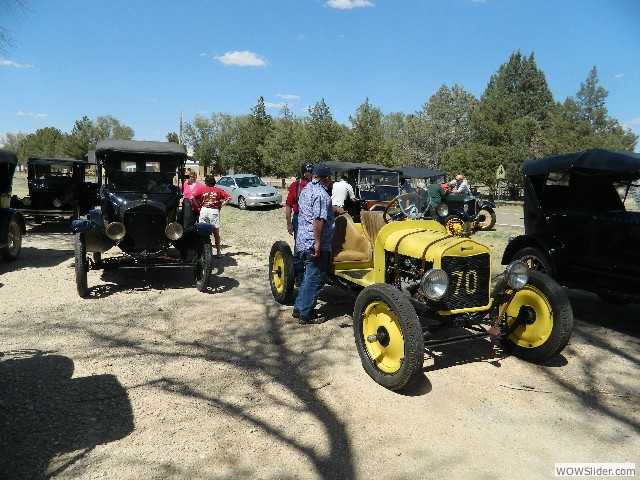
column 281, row 273
column 542, row 317
column 388, row 336
column 456, row 225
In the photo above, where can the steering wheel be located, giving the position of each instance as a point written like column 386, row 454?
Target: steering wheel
column 406, row 205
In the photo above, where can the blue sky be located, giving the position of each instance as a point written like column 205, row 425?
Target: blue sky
column 145, row 61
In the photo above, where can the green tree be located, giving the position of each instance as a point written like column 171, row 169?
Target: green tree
column 393, row 128
column 209, row 140
column 367, row 140
column 85, row 135
column 282, row 149
column 321, row 134
column 11, row 141
column 45, row 142
column 173, row 137
column 110, row 127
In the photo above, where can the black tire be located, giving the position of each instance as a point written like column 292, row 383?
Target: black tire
column 281, row 272
column 242, row 203
column 76, row 213
column 456, row 225
column 613, row 299
column 11, row 251
column 553, row 319
column 82, row 265
column 396, row 357
column 536, row 259
column 486, row 219
column 203, row 264
column 188, row 215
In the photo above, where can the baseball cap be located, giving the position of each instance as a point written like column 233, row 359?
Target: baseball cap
column 321, row 171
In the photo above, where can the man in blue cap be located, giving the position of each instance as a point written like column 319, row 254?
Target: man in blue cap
column 315, row 232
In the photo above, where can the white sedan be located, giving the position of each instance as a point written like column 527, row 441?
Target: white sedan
column 249, row 191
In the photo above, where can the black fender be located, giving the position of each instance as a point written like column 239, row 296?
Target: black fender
column 95, row 234
column 487, row 205
column 461, row 213
column 7, row 216
column 204, row 229
column 547, row 244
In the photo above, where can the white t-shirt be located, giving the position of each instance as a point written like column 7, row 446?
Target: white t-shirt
column 341, row 191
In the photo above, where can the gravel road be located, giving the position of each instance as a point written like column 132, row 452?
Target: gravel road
column 150, row 379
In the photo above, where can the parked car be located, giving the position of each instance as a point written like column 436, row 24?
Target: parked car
column 582, row 222
column 57, row 187
column 374, row 185
column 142, row 212
column 249, row 191
column 411, row 278
column 12, row 224
column 464, row 213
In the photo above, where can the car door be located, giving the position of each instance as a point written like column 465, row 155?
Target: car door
column 226, row 184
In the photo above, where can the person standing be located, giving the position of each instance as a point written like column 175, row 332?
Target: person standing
column 210, row 200
column 340, row 193
column 436, row 193
column 191, row 188
column 315, row 232
column 291, row 215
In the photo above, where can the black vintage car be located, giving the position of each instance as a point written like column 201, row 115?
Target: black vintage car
column 57, row 187
column 582, row 222
column 142, row 212
column 374, row 185
column 12, row 226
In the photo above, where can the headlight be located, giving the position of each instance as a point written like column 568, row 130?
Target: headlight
column 517, row 274
column 26, row 201
column 57, row 202
column 115, row 231
column 442, row 210
column 434, row 284
column 174, row 231
column 253, row 195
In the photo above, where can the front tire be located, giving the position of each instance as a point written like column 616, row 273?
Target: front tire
column 188, row 215
column 552, row 318
column 82, row 265
column 204, row 265
column 281, row 272
column 14, row 242
column 242, row 203
column 388, row 336
column 487, row 219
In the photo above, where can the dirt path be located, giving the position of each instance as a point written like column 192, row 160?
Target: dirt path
column 151, row 379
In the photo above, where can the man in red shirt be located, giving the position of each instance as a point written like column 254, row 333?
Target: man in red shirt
column 210, row 200
column 291, row 214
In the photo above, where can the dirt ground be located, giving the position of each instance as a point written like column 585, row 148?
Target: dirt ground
column 150, row 379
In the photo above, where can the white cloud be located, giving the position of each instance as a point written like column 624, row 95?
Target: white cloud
column 618, row 75
column 349, row 4
column 635, row 121
column 288, row 96
column 11, row 63
column 274, row 105
column 35, row 115
column 241, row 59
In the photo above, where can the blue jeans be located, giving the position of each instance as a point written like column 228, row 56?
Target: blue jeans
column 313, row 281
column 298, row 260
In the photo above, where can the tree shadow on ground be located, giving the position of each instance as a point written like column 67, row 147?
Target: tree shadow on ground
column 46, row 413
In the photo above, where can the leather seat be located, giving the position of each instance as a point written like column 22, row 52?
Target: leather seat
column 371, row 222
column 348, row 245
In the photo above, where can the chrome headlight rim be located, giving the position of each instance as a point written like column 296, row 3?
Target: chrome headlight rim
column 26, row 201
column 442, row 210
column 517, row 274
column 434, row 284
column 174, row 231
column 116, row 231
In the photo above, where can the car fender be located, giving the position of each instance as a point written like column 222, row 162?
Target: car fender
column 547, row 244
column 204, row 229
column 486, row 204
column 461, row 213
column 6, row 217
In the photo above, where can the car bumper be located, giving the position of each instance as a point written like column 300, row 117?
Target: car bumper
column 260, row 201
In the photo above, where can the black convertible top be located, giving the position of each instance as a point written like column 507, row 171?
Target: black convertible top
column 418, row 172
column 340, row 167
column 595, row 160
column 58, row 161
column 8, row 157
column 135, row 146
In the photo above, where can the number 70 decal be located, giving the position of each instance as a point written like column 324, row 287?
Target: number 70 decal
column 467, row 280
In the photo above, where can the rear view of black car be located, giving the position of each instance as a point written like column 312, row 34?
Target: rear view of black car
column 142, row 213
column 582, row 222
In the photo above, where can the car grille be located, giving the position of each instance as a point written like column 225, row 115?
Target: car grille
column 469, row 281
column 145, row 229
column 267, row 194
